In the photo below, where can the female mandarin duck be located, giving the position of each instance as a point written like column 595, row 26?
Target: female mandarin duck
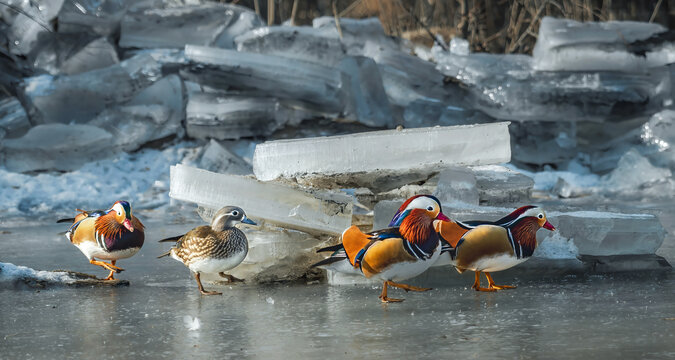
column 213, row 249
column 397, row 253
column 112, row 234
column 493, row 246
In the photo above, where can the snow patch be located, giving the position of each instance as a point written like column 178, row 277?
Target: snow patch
column 557, row 247
column 10, row 273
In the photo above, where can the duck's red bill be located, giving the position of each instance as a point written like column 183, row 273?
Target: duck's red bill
column 127, row 224
column 547, row 225
column 442, row 216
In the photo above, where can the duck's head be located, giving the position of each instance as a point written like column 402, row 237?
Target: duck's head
column 229, row 216
column 122, row 213
column 426, row 204
column 538, row 214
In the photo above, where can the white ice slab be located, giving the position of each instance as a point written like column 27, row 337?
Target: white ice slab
column 13, row 119
column 398, row 150
column 568, row 45
column 315, row 212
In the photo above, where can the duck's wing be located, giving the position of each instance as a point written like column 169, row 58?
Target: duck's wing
column 482, row 242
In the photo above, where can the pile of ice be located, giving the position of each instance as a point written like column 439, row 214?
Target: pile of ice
column 11, row 274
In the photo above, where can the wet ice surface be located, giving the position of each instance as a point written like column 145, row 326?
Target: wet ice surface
column 161, row 314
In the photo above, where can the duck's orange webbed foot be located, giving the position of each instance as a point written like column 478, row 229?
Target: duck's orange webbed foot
column 110, row 267
column 492, row 284
column 408, row 287
column 476, row 284
column 201, row 288
column 230, row 278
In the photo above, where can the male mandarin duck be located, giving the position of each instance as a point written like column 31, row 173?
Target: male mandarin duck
column 111, row 234
column 397, row 253
column 213, row 249
column 496, row 246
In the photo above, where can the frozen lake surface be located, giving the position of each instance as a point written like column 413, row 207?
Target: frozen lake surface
column 161, row 314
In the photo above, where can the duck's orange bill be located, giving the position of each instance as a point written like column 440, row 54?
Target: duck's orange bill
column 547, row 225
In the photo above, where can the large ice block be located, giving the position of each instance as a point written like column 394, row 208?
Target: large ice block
column 176, row 26
column 267, row 75
column 296, row 42
column 368, row 103
column 154, row 113
column 316, row 212
column 388, row 150
column 633, row 172
column 13, row 119
column 56, row 147
column 223, row 116
column 506, row 87
column 569, row 45
column 75, row 98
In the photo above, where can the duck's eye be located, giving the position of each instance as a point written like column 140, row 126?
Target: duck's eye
column 430, row 208
column 235, row 213
column 541, row 216
column 119, row 213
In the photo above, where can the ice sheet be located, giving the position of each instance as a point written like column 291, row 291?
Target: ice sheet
column 317, row 212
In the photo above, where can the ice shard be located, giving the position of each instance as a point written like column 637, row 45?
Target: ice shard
column 267, row 75
column 56, row 147
column 296, row 42
column 569, row 45
column 97, row 54
column 13, row 119
column 28, row 24
column 315, row 212
column 219, row 159
column 500, row 185
column 396, row 151
column 368, row 103
column 154, row 113
column 176, row 26
column 457, row 184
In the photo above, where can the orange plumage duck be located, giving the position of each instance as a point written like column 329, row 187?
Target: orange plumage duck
column 397, row 253
column 111, row 234
column 492, row 246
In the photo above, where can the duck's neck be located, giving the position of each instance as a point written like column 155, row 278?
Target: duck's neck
column 417, row 228
column 524, row 233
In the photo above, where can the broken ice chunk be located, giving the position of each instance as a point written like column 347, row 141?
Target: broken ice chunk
column 634, row 171
column 267, row 75
column 217, row 158
column 101, row 17
column 568, row 45
column 395, row 150
column 174, row 27
column 358, row 34
column 56, row 147
column 222, row 116
column 500, row 185
column 368, row 103
column 296, row 42
column 315, row 212
column 75, row 98
column 28, row 20
column 97, row 54
column 154, row 113
column 13, row 119
column 457, row 184
column 277, row 254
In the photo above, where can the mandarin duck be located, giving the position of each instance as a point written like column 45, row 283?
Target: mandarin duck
column 494, row 246
column 111, row 234
column 212, row 249
column 397, row 253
